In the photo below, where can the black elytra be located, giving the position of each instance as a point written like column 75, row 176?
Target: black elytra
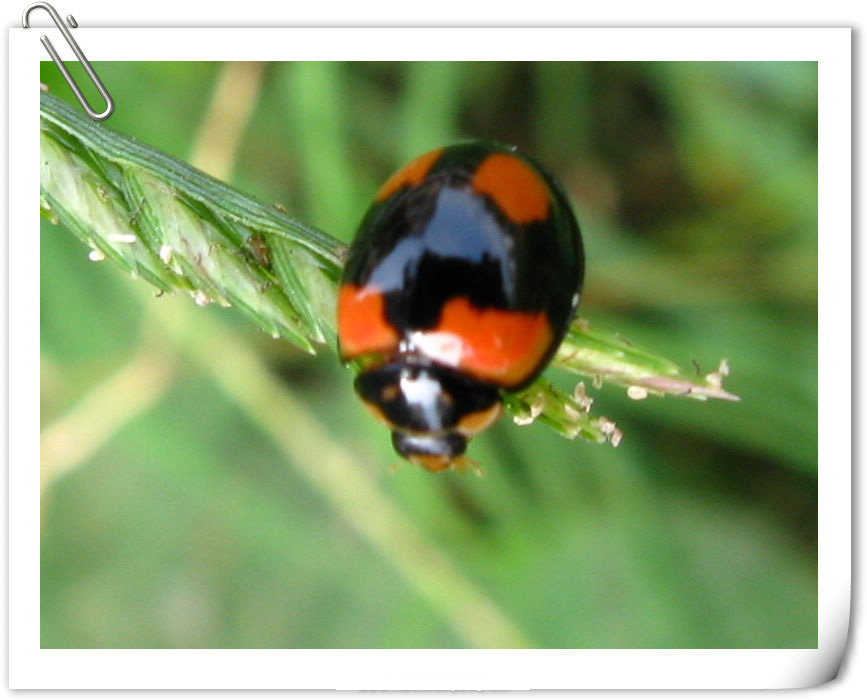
column 439, row 239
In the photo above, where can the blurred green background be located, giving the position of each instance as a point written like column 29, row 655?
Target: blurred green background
column 173, row 521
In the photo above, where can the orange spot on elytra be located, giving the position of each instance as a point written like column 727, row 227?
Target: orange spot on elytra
column 410, row 174
column 516, row 188
column 492, row 344
column 361, row 324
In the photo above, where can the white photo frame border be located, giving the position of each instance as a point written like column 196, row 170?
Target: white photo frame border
column 32, row 667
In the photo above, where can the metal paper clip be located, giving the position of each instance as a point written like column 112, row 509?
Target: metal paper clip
column 99, row 116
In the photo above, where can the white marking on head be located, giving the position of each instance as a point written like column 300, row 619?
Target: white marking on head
column 423, row 392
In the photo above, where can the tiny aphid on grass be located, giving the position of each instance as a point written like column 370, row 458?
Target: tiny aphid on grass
column 259, row 250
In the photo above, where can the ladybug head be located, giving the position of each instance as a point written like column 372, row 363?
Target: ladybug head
column 433, row 452
column 431, row 409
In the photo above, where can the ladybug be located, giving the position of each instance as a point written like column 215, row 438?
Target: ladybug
column 460, row 284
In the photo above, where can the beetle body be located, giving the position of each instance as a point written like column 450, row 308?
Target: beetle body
column 461, row 282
